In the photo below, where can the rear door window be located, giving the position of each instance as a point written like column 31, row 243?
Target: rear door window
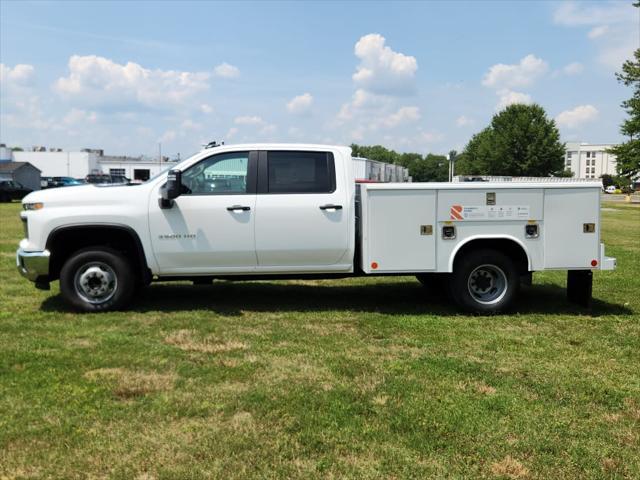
column 300, row 172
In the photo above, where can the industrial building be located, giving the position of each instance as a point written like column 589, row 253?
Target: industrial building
column 589, row 160
column 54, row 162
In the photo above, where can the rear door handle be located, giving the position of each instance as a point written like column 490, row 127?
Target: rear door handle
column 235, row 208
column 330, row 207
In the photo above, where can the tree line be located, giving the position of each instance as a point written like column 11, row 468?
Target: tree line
column 520, row 141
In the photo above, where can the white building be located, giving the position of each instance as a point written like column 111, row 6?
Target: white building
column 587, row 160
column 61, row 164
column 136, row 169
column 57, row 163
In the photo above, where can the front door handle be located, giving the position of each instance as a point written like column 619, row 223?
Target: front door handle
column 330, row 207
column 235, row 208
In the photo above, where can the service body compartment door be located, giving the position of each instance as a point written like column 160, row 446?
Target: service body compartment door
column 399, row 230
column 566, row 212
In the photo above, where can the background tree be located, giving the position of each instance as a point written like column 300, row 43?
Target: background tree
column 434, row 168
column 628, row 153
column 430, row 168
column 520, row 141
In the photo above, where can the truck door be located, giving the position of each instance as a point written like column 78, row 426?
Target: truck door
column 210, row 227
column 302, row 211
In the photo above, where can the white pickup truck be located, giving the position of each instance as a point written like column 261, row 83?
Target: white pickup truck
column 295, row 211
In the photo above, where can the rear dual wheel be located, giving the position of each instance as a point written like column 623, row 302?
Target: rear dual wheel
column 484, row 281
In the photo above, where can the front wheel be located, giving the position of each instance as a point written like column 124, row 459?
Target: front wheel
column 97, row 279
column 484, row 281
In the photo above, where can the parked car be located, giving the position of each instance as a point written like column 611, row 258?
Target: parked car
column 611, row 189
column 104, row 178
column 12, row 190
column 261, row 211
column 66, row 181
column 46, row 182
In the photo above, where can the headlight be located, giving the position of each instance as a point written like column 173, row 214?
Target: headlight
column 33, row 206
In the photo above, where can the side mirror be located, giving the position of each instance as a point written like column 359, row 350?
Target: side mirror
column 172, row 189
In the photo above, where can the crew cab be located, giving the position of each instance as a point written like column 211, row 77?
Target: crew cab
column 295, row 211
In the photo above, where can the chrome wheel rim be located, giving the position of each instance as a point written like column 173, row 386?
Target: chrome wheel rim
column 487, row 284
column 95, row 282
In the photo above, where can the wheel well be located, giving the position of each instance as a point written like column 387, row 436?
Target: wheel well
column 63, row 242
column 511, row 248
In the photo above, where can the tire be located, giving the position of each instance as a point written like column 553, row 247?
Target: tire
column 484, row 281
column 97, row 279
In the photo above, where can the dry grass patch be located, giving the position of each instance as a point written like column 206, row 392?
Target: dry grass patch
column 81, row 343
column 380, row 400
column 611, row 417
column 127, row 383
column 633, row 409
column 242, row 422
column 609, row 465
column 296, row 368
column 509, row 467
column 186, row 340
column 478, row 387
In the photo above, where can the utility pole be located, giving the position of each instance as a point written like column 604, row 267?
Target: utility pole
column 160, row 154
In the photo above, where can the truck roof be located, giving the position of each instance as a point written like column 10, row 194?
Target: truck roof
column 277, row 146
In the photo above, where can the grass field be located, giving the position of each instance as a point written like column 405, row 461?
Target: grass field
column 362, row 378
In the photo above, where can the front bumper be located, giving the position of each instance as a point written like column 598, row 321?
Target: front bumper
column 33, row 265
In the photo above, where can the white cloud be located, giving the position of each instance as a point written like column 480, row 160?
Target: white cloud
column 508, row 97
column 403, row 115
column 225, row 70
column 189, row 124
column 524, row 73
column 598, row 31
column 168, row 136
column 20, row 75
column 381, row 70
column 206, row 108
column 301, row 104
column 77, row 116
column 574, row 68
column 577, row 116
column 463, row 121
column 252, row 127
column 614, row 28
column 248, row 120
column 572, row 13
column 268, row 129
column 365, row 102
column 615, row 53
column 98, row 80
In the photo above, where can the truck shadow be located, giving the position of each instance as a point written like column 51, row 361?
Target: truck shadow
column 386, row 297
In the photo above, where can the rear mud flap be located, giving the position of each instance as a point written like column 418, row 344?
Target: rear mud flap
column 579, row 287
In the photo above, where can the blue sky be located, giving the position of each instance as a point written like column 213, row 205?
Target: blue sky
column 412, row 76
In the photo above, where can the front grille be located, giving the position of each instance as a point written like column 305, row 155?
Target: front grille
column 25, row 226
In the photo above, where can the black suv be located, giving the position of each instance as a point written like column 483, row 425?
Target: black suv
column 11, row 190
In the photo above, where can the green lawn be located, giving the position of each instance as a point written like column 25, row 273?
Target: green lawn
column 360, row 378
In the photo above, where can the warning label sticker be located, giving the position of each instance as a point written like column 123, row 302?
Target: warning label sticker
column 489, row 212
